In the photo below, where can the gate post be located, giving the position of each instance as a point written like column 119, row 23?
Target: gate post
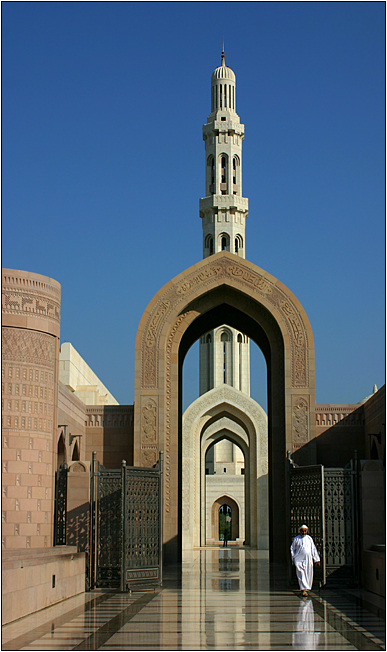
column 92, row 553
column 354, row 466
column 161, row 516
column 123, row 526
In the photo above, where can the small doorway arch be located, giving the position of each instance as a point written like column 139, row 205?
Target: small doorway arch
column 225, row 501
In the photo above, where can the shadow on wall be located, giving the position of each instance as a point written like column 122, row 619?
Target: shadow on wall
column 109, row 432
column 78, row 527
column 263, row 512
column 117, row 437
column 336, row 446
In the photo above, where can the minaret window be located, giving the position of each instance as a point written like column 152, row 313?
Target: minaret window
column 238, row 243
column 240, row 360
column 224, row 242
column 235, row 174
column 223, row 169
column 209, row 244
column 209, row 361
column 223, row 175
column 225, row 338
column 211, row 175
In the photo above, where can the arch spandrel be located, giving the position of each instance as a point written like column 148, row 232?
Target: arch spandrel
column 275, row 320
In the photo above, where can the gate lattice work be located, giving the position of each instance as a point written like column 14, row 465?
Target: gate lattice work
column 340, row 521
column 60, row 518
column 108, row 529
column 307, row 506
column 126, row 533
column 325, row 499
column 142, row 526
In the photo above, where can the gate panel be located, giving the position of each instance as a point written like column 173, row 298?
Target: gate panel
column 307, row 506
column 126, row 533
column 108, row 529
column 339, row 519
column 326, row 500
column 143, row 527
column 60, row 518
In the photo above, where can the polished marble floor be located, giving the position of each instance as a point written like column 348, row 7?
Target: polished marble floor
column 222, row 599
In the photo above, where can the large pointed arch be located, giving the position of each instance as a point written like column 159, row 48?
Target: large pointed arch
column 223, row 289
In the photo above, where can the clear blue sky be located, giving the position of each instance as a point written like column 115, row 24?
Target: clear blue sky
column 103, row 166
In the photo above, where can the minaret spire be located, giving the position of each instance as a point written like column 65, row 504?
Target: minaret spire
column 224, row 353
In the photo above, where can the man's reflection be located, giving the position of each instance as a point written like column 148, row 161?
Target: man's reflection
column 305, row 638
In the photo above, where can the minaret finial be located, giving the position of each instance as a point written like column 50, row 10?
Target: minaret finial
column 223, row 57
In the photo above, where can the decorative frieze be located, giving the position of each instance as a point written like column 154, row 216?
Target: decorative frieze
column 30, row 300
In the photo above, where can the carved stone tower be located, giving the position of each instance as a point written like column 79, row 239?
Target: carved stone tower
column 224, row 354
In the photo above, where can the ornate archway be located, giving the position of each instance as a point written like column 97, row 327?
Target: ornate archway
column 223, row 289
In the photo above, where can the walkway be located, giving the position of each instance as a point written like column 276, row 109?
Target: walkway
column 224, row 600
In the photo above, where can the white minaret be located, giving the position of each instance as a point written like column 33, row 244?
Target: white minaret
column 224, row 354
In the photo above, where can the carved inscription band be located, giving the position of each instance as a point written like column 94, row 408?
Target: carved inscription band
column 149, row 433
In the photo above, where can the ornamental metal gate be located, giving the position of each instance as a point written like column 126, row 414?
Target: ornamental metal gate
column 326, row 500
column 126, row 532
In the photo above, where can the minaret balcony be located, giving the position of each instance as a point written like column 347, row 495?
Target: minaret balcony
column 228, row 126
column 224, row 201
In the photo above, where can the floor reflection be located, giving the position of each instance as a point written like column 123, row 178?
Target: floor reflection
column 218, row 599
column 305, row 637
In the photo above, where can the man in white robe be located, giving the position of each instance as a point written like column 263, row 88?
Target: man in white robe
column 304, row 553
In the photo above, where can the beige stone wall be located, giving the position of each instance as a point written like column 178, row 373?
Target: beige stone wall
column 72, row 421
column 78, row 505
column 339, row 433
column 30, row 357
column 109, row 432
column 35, row 579
column 375, row 425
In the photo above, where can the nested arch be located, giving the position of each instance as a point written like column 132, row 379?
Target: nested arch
column 225, row 289
column 223, row 413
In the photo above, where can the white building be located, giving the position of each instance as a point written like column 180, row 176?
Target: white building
column 80, row 379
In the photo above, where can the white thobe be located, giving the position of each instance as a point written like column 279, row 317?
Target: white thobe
column 304, row 553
